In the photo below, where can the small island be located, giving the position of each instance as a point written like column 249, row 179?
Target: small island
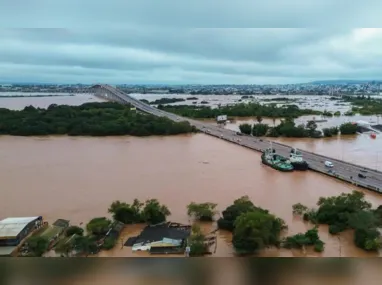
column 89, row 119
column 288, row 128
column 239, row 110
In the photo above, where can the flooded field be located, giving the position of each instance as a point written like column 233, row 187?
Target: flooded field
column 78, row 178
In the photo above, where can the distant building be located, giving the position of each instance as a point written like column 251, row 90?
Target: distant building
column 221, row 119
column 14, row 230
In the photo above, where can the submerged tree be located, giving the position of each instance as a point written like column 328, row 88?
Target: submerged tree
column 98, row 226
column 154, row 213
column 346, row 211
column 256, row 230
column 203, row 211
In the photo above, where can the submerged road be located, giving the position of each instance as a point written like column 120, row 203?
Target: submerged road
column 342, row 170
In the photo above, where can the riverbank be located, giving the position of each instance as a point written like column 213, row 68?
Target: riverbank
column 93, row 172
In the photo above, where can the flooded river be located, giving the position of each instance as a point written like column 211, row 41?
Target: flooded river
column 78, row 178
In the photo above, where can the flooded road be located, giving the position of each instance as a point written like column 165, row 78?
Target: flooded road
column 78, row 178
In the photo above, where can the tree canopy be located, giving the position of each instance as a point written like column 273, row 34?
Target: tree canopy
column 253, row 227
column 346, row 211
column 151, row 212
column 256, row 230
column 89, row 119
column 239, row 110
column 309, row 238
column 98, row 226
column 202, row 211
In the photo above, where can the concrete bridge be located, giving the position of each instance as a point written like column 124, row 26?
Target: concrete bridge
column 344, row 171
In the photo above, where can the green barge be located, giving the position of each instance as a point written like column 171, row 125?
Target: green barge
column 271, row 158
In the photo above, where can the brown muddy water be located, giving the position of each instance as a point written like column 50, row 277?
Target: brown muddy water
column 78, row 178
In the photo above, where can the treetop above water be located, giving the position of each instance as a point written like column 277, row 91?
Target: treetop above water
column 89, row 119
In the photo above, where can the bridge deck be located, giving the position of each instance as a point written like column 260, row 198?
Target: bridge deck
column 344, row 171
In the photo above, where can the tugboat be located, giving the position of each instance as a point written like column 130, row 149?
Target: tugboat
column 297, row 160
column 276, row 161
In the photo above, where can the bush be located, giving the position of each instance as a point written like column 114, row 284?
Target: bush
column 347, row 211
column 367, row 239
column 98, row 226
column 310, row 238
column 109, row 243
column 74, row 230
column 196, row 242
column 348, row 129
column 202, row 211
column 151, row 212
column 319, row 246
column 245, row 129
column 256, row 230
column 38, row 245
column 259, row 130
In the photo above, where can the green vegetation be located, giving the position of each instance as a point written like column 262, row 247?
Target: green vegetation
column 74, row 230
column 287, row 128
column 151, row 212
column 256, row 230
column 337, row 113
column 329, row 132
column 239, row 110
column 192, row 98
column 253, row 228
column 98, row 226
column 85, row 245
column 196, row 242
column 348, row 129
column 349, row 113
column 327, row 114
column 167, row 101
column 347, row 211
column 37, row 245
column 109, row 243
column 260, row 130
column 90, row 119
column 310, row 238
column 202, row 212
column 245, row 129
column 365, row 105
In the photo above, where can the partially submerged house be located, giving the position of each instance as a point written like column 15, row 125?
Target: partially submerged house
column 14, row 230
column 164, row 238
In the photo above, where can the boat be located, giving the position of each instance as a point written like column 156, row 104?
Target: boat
column 276, row 161
column 297, row 160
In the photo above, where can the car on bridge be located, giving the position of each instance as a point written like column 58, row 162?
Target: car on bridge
column 360, row 175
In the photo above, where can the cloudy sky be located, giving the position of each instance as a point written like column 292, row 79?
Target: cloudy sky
column 198, row 41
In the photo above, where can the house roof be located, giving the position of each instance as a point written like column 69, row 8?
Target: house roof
column 159, row 232
column 7, row 250
column 11, row 227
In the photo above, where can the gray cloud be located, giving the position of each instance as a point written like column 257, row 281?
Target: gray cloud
column 195, row 42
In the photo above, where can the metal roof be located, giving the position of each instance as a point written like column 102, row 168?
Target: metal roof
column 7, row 250
column 11, row 227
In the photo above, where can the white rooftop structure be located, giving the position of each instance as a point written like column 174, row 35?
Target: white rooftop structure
column 11, row 227
column 363, row 123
